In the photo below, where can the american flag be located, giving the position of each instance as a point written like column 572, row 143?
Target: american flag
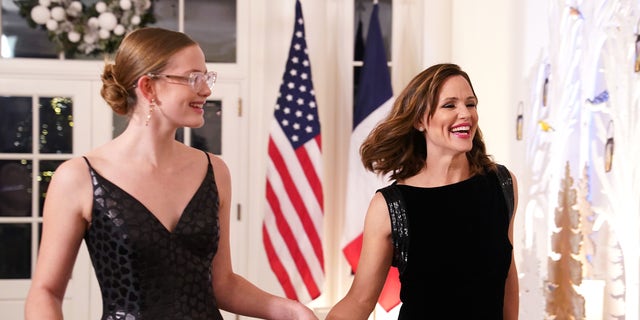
column 293, row 222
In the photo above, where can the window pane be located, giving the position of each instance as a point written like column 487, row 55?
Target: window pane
column 209, row 136
column 47, row 169
column 213, row 25
column 16, row 125
column 363, row 10
column 56, row 124
column 19, row 40
column 15, row 188
column 119, row 124
column 166, row 13
column 180, row 135
column 15, row 251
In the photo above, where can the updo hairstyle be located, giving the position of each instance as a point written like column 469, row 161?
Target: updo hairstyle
column 142, row 51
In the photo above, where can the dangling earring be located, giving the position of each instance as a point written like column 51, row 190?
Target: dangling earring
column 152, row 106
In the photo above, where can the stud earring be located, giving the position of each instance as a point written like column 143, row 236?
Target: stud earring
column 152, row 106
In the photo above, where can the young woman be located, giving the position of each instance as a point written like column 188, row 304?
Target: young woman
column 153, row 212
column 445, row 221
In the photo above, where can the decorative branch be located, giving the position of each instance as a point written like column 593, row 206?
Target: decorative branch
column 563, row 302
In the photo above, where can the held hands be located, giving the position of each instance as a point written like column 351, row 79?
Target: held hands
column 298, row 311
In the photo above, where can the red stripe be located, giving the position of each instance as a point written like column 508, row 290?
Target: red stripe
column 312, row 175
column 294, row 195
column 283, row 225
column 292, row 244
column 390, row 295
column 352, row 252
column 316, row 186
column 277, row 267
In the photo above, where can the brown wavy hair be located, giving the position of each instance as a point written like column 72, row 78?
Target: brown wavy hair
column 395, row 146
column 142, row 51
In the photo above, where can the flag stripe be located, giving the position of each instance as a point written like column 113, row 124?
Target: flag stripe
column 310, row 161
column 277, row 267
column 293, row 222
column 284, row 212
column 288, row 271
column 290, row 241
column 291, row 187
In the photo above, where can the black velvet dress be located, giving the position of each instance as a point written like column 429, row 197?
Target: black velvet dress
column 144, row 270
column 458, row 252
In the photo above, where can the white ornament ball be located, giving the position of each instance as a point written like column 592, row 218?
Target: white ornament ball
column 101, row 7
column 73, row 36
column 93, row 23
column 90, row 38
column 125, row 4
column 58, row 14
column 104, row 34
column 119, row 30
column 52, row 25
column 74, row 9
column 40, row 14
column 45, row 3
column 107, row 21
column 135, row 20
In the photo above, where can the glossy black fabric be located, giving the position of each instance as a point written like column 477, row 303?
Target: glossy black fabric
column 144, row 270
column 459, row 252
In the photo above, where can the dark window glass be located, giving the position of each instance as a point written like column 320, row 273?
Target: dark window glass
column 15, row 251
column 180, row 135
column 212, row 23
column 47, row 169
column 119, row 124
column 167, row 13
column 363, row 10
column 56, row 125
column 16, row 126
column 15, row 188
column 362, row 17
column 209, row 136
column 19, row 40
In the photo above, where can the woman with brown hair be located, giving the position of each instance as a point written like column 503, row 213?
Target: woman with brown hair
column 446, row 220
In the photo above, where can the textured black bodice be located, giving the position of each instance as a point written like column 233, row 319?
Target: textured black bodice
column 458, row 254
column 144, row 270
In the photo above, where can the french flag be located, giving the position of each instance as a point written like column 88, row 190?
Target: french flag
column 374, row 99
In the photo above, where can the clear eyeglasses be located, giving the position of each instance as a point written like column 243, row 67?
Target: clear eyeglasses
column 195, row 79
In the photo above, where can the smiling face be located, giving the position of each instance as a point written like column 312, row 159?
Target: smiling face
column 454, row 122
column 180, row 102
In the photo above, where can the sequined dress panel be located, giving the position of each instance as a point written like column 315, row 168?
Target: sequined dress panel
column 459, row 252
column 146, row 271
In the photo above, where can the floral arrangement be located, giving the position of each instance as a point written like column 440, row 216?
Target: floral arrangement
column 76, row 28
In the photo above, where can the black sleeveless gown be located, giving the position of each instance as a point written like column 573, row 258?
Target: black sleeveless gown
column 144, row 270
column 459, row 252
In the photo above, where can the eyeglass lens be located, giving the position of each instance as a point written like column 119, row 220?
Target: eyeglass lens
column 196, row 79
